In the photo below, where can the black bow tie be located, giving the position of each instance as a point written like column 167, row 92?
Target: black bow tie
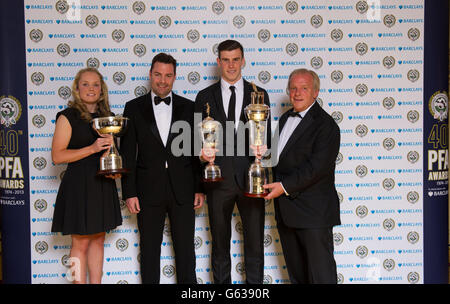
column 294, row 114
column 159, row 99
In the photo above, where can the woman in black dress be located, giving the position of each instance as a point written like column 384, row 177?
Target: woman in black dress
column 86, row 205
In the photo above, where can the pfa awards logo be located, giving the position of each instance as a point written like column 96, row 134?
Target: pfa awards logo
column 10, row 110
column 438, row 105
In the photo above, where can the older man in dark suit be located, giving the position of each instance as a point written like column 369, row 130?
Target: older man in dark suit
column 161, row 181
column 306, row 200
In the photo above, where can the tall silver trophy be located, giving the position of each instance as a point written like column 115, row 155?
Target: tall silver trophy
column 111, row 163
column 209, row 131
column 258, row 114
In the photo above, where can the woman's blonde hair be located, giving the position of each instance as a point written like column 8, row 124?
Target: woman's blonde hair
column 103, row 102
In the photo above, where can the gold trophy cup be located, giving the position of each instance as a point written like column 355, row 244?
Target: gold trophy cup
column 257, row 113
column 209, row 131
column 116, row 126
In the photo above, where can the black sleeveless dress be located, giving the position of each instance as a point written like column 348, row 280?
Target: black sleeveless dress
column 85, row 203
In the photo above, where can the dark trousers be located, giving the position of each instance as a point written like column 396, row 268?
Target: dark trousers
column 221, row 201
column 151, row 220
column 309, row 255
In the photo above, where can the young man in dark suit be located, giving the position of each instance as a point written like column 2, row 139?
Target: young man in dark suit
column 160, row 181
column 227, row 99
column 306, row 201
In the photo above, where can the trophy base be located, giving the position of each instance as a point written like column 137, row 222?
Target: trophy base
column 112, row 171
column 256, row 195
column 212, row 180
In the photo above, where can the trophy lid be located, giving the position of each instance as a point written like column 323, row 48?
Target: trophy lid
column 208, row 122
column 257, row 110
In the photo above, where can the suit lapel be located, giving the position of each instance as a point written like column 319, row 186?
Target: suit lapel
column 218, row 103
column 149, row 117
column 246, row 101
column 304, row 124
column 177, row 114
column 283, row 120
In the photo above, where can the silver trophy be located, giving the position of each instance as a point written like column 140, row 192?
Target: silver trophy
column 209, row 131
column 257, row 113
column 111, row 163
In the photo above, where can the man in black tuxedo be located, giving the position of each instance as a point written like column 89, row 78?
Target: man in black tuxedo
column 161, row 181
column 306, row 201
column 227, row 99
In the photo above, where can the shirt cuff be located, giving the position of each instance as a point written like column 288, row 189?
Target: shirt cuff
column 285, row 192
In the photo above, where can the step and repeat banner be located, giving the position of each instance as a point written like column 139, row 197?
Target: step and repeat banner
column 369, row 56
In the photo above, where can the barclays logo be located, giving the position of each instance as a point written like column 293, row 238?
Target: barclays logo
column 345, row 266
column 51, row 36
column 313, row 7
column 242, row 7
column 340, row 7
column 270, row 7
column 47, row 261
column 121, row 273
column 293, row 21
column 93, row 36
column 70, row 64
column 343, row 171
column 360, row 198
column 368, row 104
column 40, row 64
column 368, row 62
column 84, row 7
column 411, row 20
column 389, row 197
column 39, row 21
column 195, row 50
column 119, row 92
column 39, row 7
column 194, row 8
column 114, row 7
column 142, row 22
column 43, row 177
column 40, row 50
column 62, row 78
column 360, row 76
column 42, row 107
column 45, row 275
column 119, row 259
column 420, row 6
column 116, row 21
column 242, row 36
column 163, row 8
column 65, row 21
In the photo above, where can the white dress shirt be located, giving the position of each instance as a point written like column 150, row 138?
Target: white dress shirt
column 163, row 117
column 226, row 94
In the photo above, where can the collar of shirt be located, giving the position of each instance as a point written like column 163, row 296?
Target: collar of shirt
column 226, row 86
column 303, row 113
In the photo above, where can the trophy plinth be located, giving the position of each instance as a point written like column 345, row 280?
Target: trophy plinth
column 257, row 177
column 115, row 126
column 209, row 132
column 258, row 114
